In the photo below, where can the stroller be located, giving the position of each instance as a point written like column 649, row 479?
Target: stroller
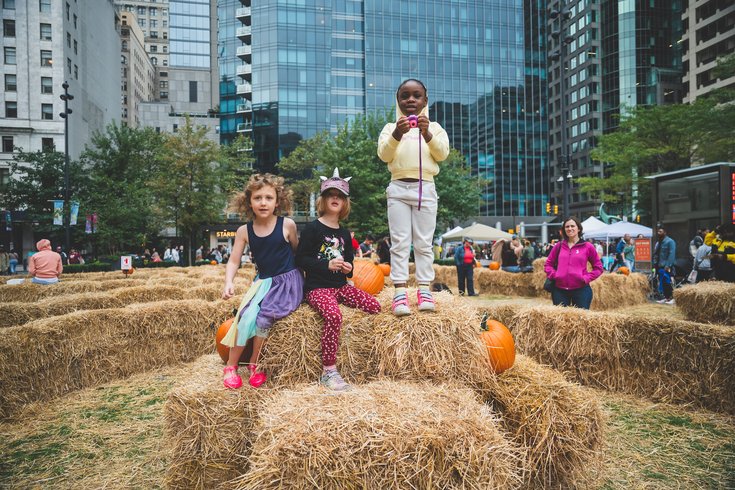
column 679, row 274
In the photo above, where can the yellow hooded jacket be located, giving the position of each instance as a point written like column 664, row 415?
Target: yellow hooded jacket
column 402, row 156
column 720, row 245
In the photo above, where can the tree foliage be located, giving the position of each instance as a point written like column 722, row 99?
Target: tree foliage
column 192, row 183
column 120, row 162
column 36, row 179
column 657, row 139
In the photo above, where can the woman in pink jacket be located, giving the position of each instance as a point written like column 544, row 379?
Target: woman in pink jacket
column 566, row 266
column 45, row 266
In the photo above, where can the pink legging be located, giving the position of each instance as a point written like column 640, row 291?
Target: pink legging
column 326, row 301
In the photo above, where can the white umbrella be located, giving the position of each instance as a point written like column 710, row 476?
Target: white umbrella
column 592, row 224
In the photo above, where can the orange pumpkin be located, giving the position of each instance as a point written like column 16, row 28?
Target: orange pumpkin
column 494, row 265
column 501, row 348
column 223, row 350
column 385, row 268
column 477, row 264
column 128, row 271
column 367, row 276
column 214, row 262
column 624, row 270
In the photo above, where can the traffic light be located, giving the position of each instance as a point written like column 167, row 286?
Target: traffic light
column 548, row 208
column 637, row 218
column 556, row 209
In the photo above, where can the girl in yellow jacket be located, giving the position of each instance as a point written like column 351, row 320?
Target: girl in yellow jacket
column 412, row 148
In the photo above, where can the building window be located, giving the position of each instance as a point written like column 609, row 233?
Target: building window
column 68, row 11
column 46, row 58
column 141, row 10
column 193, row 92
column 9, row 55
column 153, row 23
column 142, row 23
column 76, row 72
column 68, row 39
column 154, row 61
column 7, row 144
column 164, row 95
column 8, row 28
column 9, row 4
column 75, row 47
column 47, row 144
column 11, row 83
column 75, row 21
column 4, row 177
column 176, row 128
column 47, row 112
column 153, row 11
column 44, row 6
column 47, row 85
column 45, row 32
column 68, row 65
column 163, row 74
column 154, row 34
column 11, row 110
column 163, row 84
column 154, row 48
column 124, row 46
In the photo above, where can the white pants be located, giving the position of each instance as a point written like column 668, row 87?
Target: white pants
column 409, row 226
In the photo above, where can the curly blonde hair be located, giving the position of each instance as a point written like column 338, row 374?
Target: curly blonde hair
column 240, row 202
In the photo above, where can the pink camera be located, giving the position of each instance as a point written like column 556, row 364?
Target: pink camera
column 413, row 121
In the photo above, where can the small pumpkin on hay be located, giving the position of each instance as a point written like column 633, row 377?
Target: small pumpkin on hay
column 494, row 265
column 624, row 271
column 499, row 342
column 367, row 276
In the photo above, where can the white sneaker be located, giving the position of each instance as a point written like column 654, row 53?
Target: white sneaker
column 670, row 302
column 661, row 301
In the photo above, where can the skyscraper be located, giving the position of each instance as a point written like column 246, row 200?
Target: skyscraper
column 308, row 66
column 709, row 33
column 620, row 54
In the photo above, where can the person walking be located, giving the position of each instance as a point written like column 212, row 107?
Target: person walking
column 664, row 258
column 566, row 266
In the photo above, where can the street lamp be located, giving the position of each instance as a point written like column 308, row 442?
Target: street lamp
column 563, row 14
column 66, row 97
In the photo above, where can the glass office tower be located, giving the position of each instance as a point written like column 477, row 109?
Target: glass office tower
column 319, row 63
column 227, row 44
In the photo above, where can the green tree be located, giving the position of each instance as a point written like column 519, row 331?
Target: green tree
column 657, row 139
column 36, row 179
column 121, row 161
column 237, row 159
column 302, row 166
column 191, row 188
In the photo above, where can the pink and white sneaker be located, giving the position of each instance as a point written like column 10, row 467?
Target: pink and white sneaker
column 232, row 380
column 425, row 300
column 400, row 305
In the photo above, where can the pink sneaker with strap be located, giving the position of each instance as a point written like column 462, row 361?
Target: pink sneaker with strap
column 400, row 305
column 232, row 380
column 425, row 300
column 257, row 378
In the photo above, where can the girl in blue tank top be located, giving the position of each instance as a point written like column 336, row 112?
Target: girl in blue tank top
column 278, row 289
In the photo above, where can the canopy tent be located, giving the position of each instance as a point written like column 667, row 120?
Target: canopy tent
column 478, row 232
column 592, row 224
column 616, row 230
column 453, row 230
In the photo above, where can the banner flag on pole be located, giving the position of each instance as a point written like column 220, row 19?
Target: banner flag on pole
column 58, row 212
column 8, row 224
column 94, row 222
column 74, row 214
column 88, row 226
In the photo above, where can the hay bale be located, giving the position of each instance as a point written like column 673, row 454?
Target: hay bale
column 18, row 313
column 664, row 359
column 505, row 283
column 28, row 292
column 707, row 302
column 53, row 356
column 208, row 430
column 384, row 434
column 559, row 424
column 148, row 294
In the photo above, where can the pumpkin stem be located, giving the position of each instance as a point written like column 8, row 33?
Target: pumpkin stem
column 483, row 322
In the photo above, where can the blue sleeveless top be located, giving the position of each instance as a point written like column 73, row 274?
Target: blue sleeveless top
column 272, row 254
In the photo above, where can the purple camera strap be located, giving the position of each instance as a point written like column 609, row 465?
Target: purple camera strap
column 421, row 171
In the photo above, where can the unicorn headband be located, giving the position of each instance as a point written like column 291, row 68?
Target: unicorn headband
column 336, row 182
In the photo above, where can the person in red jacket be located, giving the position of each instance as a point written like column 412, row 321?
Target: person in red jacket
column 566, row 266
